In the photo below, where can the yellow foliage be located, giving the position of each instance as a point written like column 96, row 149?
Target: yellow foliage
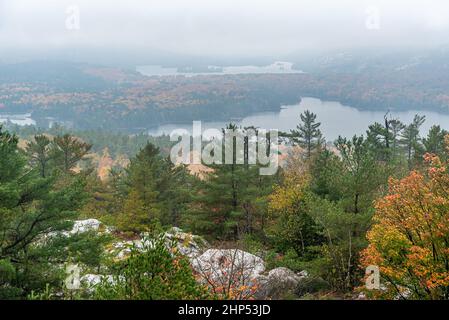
column 409, row 240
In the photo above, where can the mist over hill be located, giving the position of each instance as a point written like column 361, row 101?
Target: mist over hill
column 96, row 96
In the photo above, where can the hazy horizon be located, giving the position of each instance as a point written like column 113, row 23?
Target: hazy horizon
column 249, row 30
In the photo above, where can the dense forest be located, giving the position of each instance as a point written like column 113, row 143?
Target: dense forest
column 331, row 210
column 92, row 96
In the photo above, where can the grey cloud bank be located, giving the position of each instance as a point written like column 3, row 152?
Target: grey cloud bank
column 246, row 28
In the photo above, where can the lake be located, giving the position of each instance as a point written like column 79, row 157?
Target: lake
column 19, row 119
column 336, row 119
column 276, row 67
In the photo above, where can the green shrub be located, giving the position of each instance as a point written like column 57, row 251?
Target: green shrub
column 154, row 273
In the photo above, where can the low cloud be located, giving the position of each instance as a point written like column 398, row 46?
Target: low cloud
column 223, row 27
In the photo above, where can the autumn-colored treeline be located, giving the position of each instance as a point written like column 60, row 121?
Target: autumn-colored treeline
column 327, row 210
column 333, row 208
column 409, row 239
column 93, row 97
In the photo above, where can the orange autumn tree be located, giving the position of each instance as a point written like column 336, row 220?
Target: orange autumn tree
column 409, row 240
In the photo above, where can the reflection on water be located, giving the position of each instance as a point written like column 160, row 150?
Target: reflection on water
column 336, row 119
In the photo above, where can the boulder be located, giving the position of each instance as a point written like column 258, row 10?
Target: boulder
column 187, row 244
column 82, row 226
column 89, row 281
column 122, row 249
column 79, row 226
column 226, row 260
column 278, row 283
column 229, row 268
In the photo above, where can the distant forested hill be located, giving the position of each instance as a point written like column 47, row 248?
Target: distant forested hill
column 105, row 97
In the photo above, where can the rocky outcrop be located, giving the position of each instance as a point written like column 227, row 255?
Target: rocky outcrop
column 90, row 281
column 222, row 268
column 222, row 262
column 122, row 249
column 79, row 226
column 278, row 283
column 229, row 271
column 82, row 226
column 188, row 245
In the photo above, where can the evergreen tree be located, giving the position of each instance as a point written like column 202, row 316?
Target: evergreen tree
column 136, row 216
column 327, row 172
column 434, row 142
column 289, row 206
column 411, row 141
column 38, row 152
column 217, row 207
column 307, row 134
column 67, row 151
column 33, row 210
column 145, row 175
column 159, row 188
column 362, row 174
column 380, row 138
column 396, row 128
column 178, row 194
column 228, row 203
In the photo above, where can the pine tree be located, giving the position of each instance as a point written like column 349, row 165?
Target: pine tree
column 362, row 174
column 162, row 187
column 39, row 153
column 32, row 208
column 380, row 138
column 411, row 140
column 327, row 172
column 67, row 151
column 307, row 134
column 145, row 173
column 228, row 202
column 217, row 205
column 136, row 216
column 434, row 142
column 396, row 128
column 177, row 195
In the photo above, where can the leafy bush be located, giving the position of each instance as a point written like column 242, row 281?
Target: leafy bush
column 152, row 273
column 311, row 285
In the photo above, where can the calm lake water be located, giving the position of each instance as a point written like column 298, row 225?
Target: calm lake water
column 276, row 67
column 336, row 119
column 19, row 119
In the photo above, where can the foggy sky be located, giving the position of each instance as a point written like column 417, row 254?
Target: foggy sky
column 222, row 27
